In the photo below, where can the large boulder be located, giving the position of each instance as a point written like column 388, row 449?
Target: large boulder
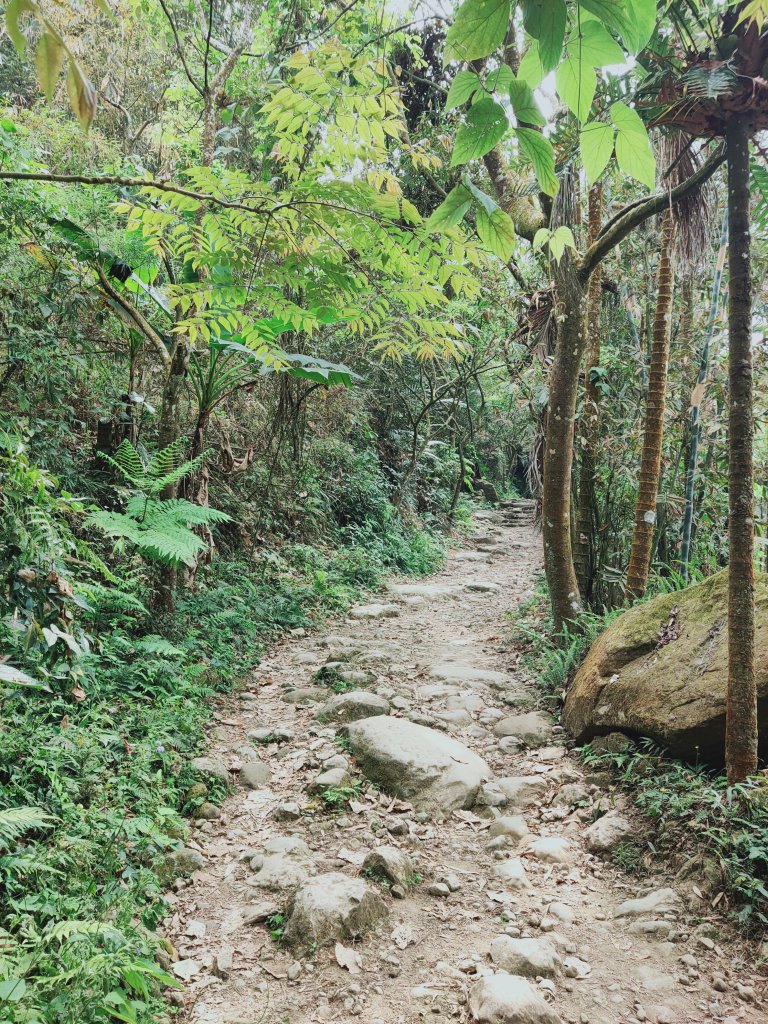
column 661, row 671
column 418, row 764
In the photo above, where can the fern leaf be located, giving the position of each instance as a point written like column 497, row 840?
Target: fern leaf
column 16, row 820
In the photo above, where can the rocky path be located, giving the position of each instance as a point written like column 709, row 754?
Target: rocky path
column 408, row 840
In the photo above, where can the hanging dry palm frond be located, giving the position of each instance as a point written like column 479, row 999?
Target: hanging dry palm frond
column 693, row 214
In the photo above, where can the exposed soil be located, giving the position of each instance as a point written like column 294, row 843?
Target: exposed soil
column 420, row 965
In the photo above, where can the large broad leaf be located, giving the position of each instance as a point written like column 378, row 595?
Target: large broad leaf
column 451, row 211
column 633, row 20
column 576, row 85
column 497, row 231
column 523, row 104
column 14, row 676
column 595, row 45
column 545, row 21
column 13, row 11
column 478, row 29
column 49, row 60
column 596, row 145
column 633, row 147
column 82, row 95
column 463, row 88
column 539, row 151
column 484, row 126
column 319, row 370
column 498, row 80
column 531, row 69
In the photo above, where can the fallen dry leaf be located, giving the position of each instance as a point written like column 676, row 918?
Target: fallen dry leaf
column 348, row 958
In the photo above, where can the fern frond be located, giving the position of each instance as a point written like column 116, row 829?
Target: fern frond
column 178, row 510
column 61, row 930
column 14, row 821
column 159, row 483
column 127, row 461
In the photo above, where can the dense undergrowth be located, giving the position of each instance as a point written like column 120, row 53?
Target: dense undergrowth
column 693, row 813
column 105, row 706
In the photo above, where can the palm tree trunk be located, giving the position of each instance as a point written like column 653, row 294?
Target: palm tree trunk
column 590, row 415
column 741, row 715
column 650, row 461
column 693, row 451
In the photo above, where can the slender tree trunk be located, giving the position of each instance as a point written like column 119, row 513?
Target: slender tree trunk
column 650, row 461
column 693, row 451
column 590, row 415
column 570, row 299
column 741, row 718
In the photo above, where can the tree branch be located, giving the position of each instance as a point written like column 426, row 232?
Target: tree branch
column 141, row 323
column 618, row 229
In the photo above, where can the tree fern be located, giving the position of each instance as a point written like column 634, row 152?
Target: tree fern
column 158, row 528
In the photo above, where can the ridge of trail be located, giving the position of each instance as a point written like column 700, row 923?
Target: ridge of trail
column 514, row 865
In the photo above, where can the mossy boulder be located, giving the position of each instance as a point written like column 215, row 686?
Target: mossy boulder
column 661, row 671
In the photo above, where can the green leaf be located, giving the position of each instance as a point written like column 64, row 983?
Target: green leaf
column 49, row 60
column 559, row 240
column 539, row 151
column 463, row 88
column 13, row 12
column 478, row 29
column 12, row 990
column 576, row 85
column 633, row 21
column 541, row 237
column 643, row 13
column 484, row 126
column 498, row 80
column 545, row 21
column 633, row 147
column 596, row 145
column 531, row 69
column 523, row 103
column 594, row 45
column 451, row 211
column 497, row 231
column 487, row 202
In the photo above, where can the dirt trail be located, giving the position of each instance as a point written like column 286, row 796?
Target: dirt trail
column 442, row 662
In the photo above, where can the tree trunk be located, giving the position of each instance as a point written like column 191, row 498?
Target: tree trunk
column 650, row 461
column 590, row 413
column 741, row 714
column 570, row 300
column 693, row 451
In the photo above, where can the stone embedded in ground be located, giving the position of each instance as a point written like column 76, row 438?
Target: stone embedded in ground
column 608, row 832
column 285, row 862
column 533, row 728
column 207, row 811
column 353, row 705
column 562, row 912
column 391, row 863
column 304, row 695
column 255, row 774
column 522, row 790
column 180, row 864
column 287, row 811
column 551, row 849
column 433, row 771
column 491, row 795
column 277, row 734
column 332, row 907
column 508, row 999
column 374, row 611
column 571, row 795
column 611, row 743
column 678, row 699
column 334, row 778
column 213, row 767
column 483, row 587
column 461, row 672
column 511, row 873
column 530, row 958
column 512, row 825
column 429, row 591
column 661, row 901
